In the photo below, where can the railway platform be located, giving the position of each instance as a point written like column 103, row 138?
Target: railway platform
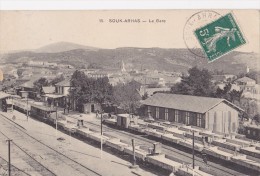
column 87, row 155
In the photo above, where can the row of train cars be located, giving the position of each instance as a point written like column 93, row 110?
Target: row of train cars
column 235, row 149
column 147, row 156
column 232, row 148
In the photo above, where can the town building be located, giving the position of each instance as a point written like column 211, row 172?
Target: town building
column 218, row 115
column 62, row 92
column 47, row 90
column 26, row 90
column 223, row 78
column 98, row 74
column 42, row 64
column 249, row 87
column 245, row 81
column 233, row 86
column 150, row 91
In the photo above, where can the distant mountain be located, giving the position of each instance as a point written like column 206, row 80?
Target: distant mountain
column 178, row 60
column 61, row 47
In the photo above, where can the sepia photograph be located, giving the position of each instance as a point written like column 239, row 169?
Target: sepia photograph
column 130, row 92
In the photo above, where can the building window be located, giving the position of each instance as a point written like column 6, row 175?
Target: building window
column 166, row 114
column 248, row 131
column 157, row 113
column 199, row 119
column 149, row 110
column 254, row 133
column 187, row 118
column 176, row 116
column 229, row 121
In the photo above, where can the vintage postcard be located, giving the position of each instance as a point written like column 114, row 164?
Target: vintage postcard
column 130, row 92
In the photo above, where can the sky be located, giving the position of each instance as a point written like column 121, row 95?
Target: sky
column 23, row 30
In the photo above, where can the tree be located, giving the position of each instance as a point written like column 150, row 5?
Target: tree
column 78, row 78
column 103, row 91
column 198, row 83
column 86, row 90
column 145, row 96
column 127, row 97
column 235, row 95
column 256, row 118
column 38, row 84
column 4, row 105
column 19, row 72
column 228, row 93
column 57, row 80
column 249, row 106
column 254, row 75
column 78, row 93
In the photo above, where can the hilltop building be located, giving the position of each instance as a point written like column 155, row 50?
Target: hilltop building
column 247, row 69
column 123, row 67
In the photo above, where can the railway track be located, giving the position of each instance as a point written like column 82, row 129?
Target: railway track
column 15, row 171
column 213, row 166
column 47, row 159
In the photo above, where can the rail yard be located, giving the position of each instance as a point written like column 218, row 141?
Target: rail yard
column 221, row 156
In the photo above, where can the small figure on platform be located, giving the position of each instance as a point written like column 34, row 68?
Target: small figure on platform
column 97, row 113
column 68, row 107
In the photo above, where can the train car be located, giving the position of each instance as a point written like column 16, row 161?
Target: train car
column 21, row 105
column 252, row 132
column 124, row 120
column 41, row 112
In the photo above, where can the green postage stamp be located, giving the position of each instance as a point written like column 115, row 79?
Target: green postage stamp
column 220, row 37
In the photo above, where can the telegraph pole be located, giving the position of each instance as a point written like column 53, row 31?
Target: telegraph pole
column 193, row 164
column 9, row 156
column 134, row 165
column 133, row 144
column 101, row 130
column 56, row 118
column 12, row 104
column 27, row 112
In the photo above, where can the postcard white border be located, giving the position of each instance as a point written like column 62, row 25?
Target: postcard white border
column 133, row 4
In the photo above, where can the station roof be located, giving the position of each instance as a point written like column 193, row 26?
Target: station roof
column 245, row 79
column 186, row 102
column 48, row 90
column 44, row 108
column 28, row 84
column 64, row 83
column 4, row 95
column 53, row 96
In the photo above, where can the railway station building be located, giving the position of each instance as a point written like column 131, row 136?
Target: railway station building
column 3, row 101
column 215, row 114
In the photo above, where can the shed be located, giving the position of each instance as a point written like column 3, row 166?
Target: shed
column 218, row 115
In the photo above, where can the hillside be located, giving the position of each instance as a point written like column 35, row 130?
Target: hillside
column 178, row 60
column 61, row 47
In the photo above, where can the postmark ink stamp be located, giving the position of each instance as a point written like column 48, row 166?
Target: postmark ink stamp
column 220, row 37
column 197, row 20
